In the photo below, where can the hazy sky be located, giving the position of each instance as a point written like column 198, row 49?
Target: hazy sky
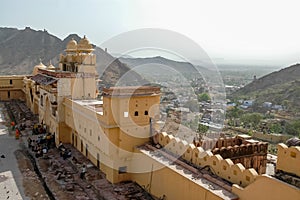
column 253, row 30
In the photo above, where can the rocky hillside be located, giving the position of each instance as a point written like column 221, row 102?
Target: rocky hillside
column 21, row 50
column 182, row 67
column 280, row 87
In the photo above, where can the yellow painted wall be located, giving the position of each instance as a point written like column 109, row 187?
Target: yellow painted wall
column 11, row 87
column 288, row 159
column 225, row 168
column 267, row 188
column 173, row 185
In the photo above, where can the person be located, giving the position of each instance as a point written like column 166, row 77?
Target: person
column 83, row 171
column 67, row 154
column 29, row 141
column 61, row 146
column 17, row 133
column 12, row 125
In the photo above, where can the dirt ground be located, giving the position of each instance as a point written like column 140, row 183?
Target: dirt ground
column 32, row 185
column 62, row 177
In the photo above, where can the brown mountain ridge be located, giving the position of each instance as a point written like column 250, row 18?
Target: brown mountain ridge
column 21, row 50
column 280, row 87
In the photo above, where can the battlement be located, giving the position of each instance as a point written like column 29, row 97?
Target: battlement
column 288, row 159
column 240, row 149
column 251, row 155
column 224, row 168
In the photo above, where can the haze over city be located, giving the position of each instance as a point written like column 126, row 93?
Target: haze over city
column 253, row 32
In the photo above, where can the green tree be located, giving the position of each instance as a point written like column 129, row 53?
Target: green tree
column 202, row 128
column 293, row 128
column 276, row 128
column 233, row 115
column 251, row 119
column 203, row 97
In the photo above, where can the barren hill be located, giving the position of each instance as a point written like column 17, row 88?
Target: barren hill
column 21, row 50
column 280, row 87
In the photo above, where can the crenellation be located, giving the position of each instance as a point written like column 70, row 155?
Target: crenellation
column 226, row 168
column 288, row 159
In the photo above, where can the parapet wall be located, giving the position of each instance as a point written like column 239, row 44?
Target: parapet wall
column 274, row 138
column 251, row 155
column 224, row 168
column 288, row 159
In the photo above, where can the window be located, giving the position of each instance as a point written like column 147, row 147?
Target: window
column 8, row 94
column 125, row 114
column 136, row 113
column 10, row 82
column 122, row 170
column 146, row 112
column 98, row 138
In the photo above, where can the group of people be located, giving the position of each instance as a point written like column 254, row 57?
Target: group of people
column 64, row 152
column 44, row 142
column 38, row 147
column 39, row 129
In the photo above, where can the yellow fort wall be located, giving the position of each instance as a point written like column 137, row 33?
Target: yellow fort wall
column 234, row 173
column 247, row 184
column 288, row 159
column 267, row 188
column 11, row 87
column 167, row 182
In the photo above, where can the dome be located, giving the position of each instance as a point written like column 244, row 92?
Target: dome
column 37, row 67
column 50, row 67
column 84, row 45
column 71, row 46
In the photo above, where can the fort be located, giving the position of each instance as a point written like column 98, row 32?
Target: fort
column 118, row 133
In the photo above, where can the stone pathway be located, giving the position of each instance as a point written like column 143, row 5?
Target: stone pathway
column 11, row 180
